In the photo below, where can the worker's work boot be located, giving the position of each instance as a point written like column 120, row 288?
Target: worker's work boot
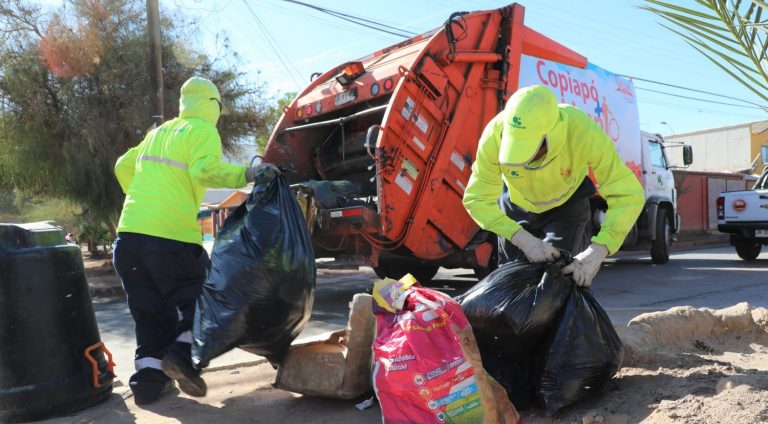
column 149, row 385
column 177, row 364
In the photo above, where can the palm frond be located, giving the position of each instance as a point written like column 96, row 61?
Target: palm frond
column 729, row 33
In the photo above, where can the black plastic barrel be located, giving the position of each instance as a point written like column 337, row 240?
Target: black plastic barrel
column 51, row 359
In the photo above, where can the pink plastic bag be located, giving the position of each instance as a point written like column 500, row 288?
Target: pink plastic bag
column 421, row 374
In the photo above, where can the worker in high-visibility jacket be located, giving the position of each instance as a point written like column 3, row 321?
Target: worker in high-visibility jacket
column 158, row 253
column 530, row 181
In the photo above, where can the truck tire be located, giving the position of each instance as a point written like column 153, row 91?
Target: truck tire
column 493, row 263
column 660, row 246
column 748, row 249
column 391, row 269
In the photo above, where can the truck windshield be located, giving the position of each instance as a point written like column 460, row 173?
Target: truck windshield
column 762, row 183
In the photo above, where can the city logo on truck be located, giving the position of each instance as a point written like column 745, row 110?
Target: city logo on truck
column 739, row 205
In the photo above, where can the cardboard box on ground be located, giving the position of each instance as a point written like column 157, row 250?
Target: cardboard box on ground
column 333, row 365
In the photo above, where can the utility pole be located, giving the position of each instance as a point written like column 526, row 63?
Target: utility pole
column 155, row 59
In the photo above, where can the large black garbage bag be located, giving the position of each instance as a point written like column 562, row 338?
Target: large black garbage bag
column 517, row 378
column 584, row 353
column 546, row 341
column 513, row 309
column 259, row 291
column 512, row 312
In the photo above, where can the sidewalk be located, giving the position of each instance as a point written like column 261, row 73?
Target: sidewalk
column 687, row 241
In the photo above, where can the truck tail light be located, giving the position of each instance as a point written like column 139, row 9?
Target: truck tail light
column 720, row 208
column 350, row 73
column 347, row 212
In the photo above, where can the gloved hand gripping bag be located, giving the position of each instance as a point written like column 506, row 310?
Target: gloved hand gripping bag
column 259, row 292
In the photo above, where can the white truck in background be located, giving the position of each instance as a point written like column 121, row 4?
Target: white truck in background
column 744, row 215
column 610, row 100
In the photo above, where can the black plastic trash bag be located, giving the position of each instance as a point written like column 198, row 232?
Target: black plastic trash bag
column 584, row 353
column 333, row 194
column 513, row 309
column 512, row 312
column 545, row 340
column 516, row 377
column 259, row 291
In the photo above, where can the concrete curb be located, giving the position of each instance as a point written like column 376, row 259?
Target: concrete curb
column 713, row 241
column 235, row 365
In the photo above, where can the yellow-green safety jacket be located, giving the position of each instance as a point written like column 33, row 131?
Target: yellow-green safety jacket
column 166, row 175
column 574, row 145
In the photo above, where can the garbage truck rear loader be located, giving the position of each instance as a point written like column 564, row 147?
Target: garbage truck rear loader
column 380, row 149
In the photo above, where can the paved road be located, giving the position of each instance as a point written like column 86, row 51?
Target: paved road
column 627, row 286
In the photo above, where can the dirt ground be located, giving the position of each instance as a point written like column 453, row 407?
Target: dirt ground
column 683, row 365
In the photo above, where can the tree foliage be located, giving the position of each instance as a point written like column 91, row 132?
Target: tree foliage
column 75, row 94
column 730, row 33
column 273, row 114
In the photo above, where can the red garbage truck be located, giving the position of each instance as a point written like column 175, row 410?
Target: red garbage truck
column 380, row 149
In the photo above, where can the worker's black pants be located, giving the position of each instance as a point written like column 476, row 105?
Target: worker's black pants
column 162, row 279
column 567, row 226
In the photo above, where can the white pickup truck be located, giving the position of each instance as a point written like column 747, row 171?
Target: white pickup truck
column 744, row 215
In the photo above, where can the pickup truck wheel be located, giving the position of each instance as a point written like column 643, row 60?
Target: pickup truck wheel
column 660, row 246
column 748, row 250
column 422, row 272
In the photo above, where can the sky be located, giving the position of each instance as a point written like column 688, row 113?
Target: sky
column 282, row 44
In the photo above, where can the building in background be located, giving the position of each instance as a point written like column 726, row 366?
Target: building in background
column 724, row 159
column 727, row 149
column 217, row 205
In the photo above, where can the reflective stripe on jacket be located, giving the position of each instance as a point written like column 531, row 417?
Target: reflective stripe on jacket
column 165, row 177
column 576, row 144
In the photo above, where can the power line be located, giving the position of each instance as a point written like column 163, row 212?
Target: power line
column 700, row 99
column 359, row 20
column 763, row 107
column 353, row 17
column 273, row 45
column 326, row 22
column 678, row 106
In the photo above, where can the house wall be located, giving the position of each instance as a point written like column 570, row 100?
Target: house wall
column 697, row 193
column 719, row 149
column 759, row 137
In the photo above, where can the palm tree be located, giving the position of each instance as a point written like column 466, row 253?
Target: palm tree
column 734, row 36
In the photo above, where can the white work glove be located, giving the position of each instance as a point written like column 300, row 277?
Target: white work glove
column 586, row 264
column 534, row 249
column 252, row 171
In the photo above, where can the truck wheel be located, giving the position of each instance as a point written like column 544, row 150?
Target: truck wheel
column 493, row 263
column 748, row 250
column 660, row 246
column 391, row 269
